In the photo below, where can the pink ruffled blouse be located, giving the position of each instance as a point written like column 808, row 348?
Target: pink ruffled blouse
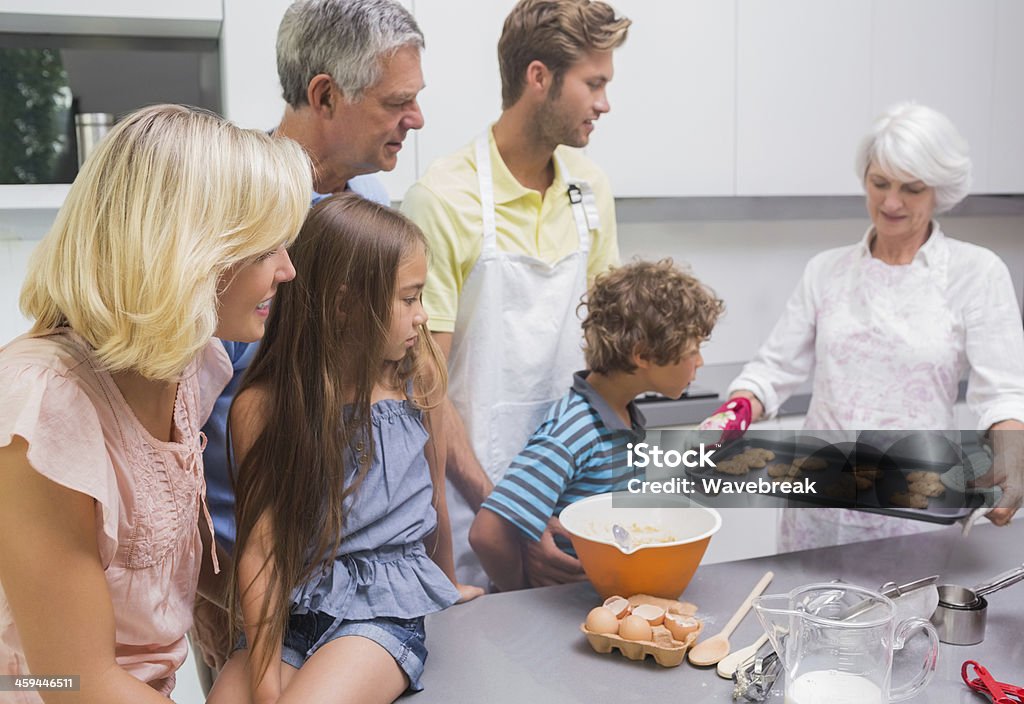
column 149, row 495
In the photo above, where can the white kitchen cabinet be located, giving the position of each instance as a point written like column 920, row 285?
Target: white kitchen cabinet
column 716, row 98
column 136, row 18
column 460, row 66
column 1006, row 173
column 940, row 53
column 248, row 59
column 671, row 128
column 709, row 98
column 802, row 95
column 33, row 196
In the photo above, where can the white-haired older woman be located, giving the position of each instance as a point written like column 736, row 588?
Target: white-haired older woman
column 890, row 325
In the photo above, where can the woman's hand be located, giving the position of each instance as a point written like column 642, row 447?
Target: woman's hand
column 1007, row 470
column 733, row 417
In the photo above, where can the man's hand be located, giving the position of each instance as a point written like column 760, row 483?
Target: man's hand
column 545, row 563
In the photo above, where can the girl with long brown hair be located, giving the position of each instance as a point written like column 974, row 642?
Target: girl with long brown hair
column 340, row 481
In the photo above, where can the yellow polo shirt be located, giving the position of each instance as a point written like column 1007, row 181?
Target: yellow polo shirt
column 445, row 203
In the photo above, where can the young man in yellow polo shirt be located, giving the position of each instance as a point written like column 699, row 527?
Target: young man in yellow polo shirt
column 518, row 223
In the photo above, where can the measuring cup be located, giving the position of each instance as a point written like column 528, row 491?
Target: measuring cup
column 831, row 657
column 961, row 615
column 955, row 595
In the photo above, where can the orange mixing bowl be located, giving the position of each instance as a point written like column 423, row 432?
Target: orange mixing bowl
column 668, row 544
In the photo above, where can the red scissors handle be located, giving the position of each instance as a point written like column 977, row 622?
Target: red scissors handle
column 1000, row 692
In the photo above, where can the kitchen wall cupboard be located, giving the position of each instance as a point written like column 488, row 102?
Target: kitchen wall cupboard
column 463, row 93
column 940, row 53
column 802, row 95
column 811, row 76
column 671, row 130
column 710, row 98
column 137, row 18
column 753, row 98
column 35, row 196
column 460, row 69
column 118, row 55
column 251, row 92
column 1006, row 154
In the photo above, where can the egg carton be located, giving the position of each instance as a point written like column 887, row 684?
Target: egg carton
column 665, row 655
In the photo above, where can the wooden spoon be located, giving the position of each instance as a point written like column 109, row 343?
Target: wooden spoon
column 713, row 649
column 727, row 665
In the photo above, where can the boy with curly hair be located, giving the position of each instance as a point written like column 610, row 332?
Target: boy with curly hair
column 643, row 330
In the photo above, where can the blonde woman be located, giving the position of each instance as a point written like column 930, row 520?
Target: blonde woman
column 174, row 232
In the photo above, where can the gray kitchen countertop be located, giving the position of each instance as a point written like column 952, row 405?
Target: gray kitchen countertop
column 527, row 646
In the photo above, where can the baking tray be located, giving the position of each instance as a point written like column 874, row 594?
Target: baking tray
column 836, row 484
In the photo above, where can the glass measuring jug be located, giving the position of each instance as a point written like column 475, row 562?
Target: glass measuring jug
column 837, row 642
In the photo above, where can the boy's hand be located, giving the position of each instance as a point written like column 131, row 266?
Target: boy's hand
column 732, row 418
column 468, row 592
column 545, row 563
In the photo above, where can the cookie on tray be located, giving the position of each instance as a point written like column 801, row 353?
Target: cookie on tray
column 868, row 471
column 920, row 475
column 810, row 464
column 842, row 488
column 781, row 470
column 863, row 483
column 755, row 461
column 931, row 489
column 733, row 466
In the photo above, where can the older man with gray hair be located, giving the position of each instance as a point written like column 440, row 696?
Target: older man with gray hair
column 350, row 74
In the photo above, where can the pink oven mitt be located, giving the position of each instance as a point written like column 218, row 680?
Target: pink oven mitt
column 732, row 418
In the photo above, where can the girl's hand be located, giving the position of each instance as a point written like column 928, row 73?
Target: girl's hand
column 468, row 592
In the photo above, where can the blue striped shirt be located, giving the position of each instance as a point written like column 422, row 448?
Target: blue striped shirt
column 578, row 451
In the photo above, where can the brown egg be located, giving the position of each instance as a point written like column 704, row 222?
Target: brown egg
column 635, row 628
column 619, row 605
column 681, row 626
column 654, row 615
column 602, row 620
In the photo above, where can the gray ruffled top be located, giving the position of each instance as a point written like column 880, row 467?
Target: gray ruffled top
column 383, row 568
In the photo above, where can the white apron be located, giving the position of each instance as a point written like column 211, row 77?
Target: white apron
column 890, row 355
column 516, row 344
